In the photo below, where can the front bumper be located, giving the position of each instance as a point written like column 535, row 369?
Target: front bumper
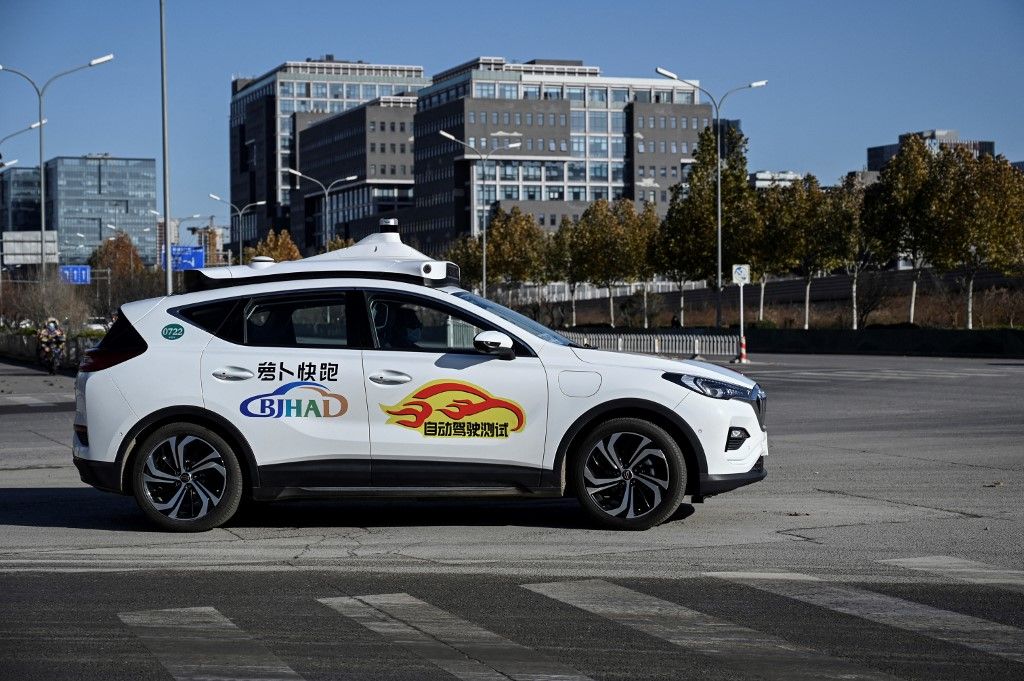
column 102, row 475
column 711, row 485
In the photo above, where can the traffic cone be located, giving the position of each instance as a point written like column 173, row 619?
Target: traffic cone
column 742, row 356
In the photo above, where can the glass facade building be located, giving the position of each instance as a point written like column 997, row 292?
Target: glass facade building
column 91, row 198
column 19, row 199
column 261, row 126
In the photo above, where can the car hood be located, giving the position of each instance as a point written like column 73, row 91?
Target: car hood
column 686, row 366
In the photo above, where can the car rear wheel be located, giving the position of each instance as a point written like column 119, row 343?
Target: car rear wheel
column 629, row 474
column 186, row 478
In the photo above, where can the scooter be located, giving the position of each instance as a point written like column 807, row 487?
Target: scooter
column 51, row 353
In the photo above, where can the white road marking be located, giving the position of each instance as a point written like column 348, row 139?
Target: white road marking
column 961, row 568
column 461, row 648
column 953, row 627
column 201, row 643
column 771, row 656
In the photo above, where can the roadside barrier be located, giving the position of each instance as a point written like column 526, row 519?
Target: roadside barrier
column 659, row 343
column 24, row 348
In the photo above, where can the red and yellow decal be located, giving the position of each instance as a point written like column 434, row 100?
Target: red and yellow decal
column 448, row 408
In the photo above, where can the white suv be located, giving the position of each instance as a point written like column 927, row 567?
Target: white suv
column 367, row 371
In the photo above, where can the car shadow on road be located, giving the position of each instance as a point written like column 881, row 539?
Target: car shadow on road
column 88, row 509
column 81, row 508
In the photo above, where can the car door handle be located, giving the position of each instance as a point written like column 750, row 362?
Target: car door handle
column 388, row 377
column 232, row 374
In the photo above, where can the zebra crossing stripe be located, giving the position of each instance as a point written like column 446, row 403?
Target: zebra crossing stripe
column 772, row 657
column 961, row 568
column 953, row 627
column 201, row 643
column 461, row 648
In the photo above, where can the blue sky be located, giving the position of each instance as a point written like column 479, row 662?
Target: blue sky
column 842, row 76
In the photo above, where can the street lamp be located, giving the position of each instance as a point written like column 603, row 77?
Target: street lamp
column 238, row 214
column 8, row 164
column 326, row 190
column 717, row 104
column 483, row 158
column 15, row 134
column 41, row 95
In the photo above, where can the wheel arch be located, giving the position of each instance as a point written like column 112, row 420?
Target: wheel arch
column 191, row 414
column 671, row 422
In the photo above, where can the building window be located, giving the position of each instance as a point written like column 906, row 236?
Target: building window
column 640, row 122
column 704, row 123
column 509, row 91
column 598, row 121
column 540, row 219
column 531, row 92
column 598, row 172
column 618, row 123
column 373, row 168
column 618, row 171
column 552, row 146
column 618, row 146
column 531, row 192
column 540, row 120
column 578, row 146
column 484, row 90
column 510, row 192
column 693, row 122
column 518, row 119
column 373, row 147
column 661, row 122
column 471, row 118
column 682, row 122
column 574, row 94
column 620, row 96
column 682, row 147
column 675, row 171
column 553, row 172
column 663, row 171
column 674, row 147
column 368, row 91
column 287, row 89
column 494, row 118
column 552, row 92
column 661, row 147
column 472, row 142
column 598, row 96
column 577, row 171
column 529, row 120
column 551, row 120
column 598, row 146
column 483, row 118
column 640, row 147
column 561, row 120
column 555, row 194
column 506, row 118
column 578, row 120
column 640, row 171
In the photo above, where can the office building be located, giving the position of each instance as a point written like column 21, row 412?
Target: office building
column 583, row 136
column 879, row 156
column 91, row 198
column 1019, row 165
column 261, row 133
column 372, row 143
column 19, row 199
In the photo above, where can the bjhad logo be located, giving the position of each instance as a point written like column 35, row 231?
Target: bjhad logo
column 456, row 409
column 322, row 404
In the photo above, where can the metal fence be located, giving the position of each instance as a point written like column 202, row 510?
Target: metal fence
column 24, row 348
column 660, row 343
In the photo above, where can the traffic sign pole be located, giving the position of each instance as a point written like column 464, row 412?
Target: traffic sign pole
column 741, row 276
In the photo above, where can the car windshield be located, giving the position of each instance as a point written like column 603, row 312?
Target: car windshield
column 522, row 321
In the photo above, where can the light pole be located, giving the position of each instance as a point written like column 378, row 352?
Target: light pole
column 239, row 214
column 483, row 158
column 326, row 191
column 717, row 104
column 41, row 95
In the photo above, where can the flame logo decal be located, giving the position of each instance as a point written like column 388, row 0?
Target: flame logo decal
column 456, row 409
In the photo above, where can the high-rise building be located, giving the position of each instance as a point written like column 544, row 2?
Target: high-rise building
column 373, row 145
column 878, row 157
column 19, row 199
column 261, row 133
column 91, row 198
column 582, row 136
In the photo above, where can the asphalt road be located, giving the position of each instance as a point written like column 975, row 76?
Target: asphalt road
column 885, row 543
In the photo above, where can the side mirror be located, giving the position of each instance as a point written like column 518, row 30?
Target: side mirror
column 494, row 343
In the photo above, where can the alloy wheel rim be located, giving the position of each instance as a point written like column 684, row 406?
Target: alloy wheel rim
column 184, row 477
column 626, row 475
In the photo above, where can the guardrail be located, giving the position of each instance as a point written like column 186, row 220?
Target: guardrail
column 659, row 343
column 24, row 348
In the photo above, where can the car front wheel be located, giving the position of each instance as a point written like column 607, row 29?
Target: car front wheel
column 186, row 478
column 629, row 474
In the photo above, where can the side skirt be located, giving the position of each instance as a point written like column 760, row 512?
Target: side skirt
column 391, row 492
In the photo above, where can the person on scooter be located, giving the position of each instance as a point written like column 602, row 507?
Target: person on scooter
column 51, row 345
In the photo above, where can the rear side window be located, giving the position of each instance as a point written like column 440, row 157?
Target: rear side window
column 222, row 318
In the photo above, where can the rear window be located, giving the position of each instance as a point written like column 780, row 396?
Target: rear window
column 122, row 337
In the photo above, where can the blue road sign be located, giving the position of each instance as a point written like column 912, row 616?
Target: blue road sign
column 76, row 274
column 187, row 257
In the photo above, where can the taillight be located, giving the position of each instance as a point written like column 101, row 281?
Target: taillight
column 98, row 358
column 120, row 344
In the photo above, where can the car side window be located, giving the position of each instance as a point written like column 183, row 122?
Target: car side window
column 321, row 321
column 222, row 318
column 418, row 325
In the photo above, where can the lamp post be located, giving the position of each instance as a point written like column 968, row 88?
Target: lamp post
column 717, row 104
column 483, row 158
column 15, row 134
column 41, row 96
column 326, row 191
column 239, row 214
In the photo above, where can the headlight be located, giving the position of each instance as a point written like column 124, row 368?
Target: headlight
column 709, row 387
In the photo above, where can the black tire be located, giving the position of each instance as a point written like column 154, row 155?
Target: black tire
column 194, row 481
column 642, row 482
